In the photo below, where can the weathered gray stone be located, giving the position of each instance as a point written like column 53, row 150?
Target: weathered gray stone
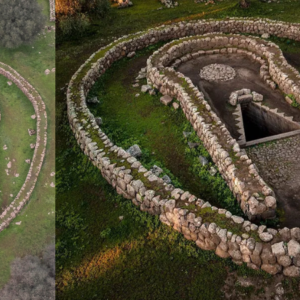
column 222, row 253
column 295, row 233
column 169, row 206
column 279, row 249
column 145, row 88
column 284, row 260
column 257, row 97
column 166, row 179
column 293, row 248
column 266, row 236
column 271, row 269
column 237, row 220
column 135, row 151
column 166, row 99
column 292, row 271
column 245, row 98
column 99, row 121
column 203, row 160
column 93, row 100
column 156, row 170
column 131, row 54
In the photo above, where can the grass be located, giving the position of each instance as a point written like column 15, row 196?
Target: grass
column 16, row 110
column 144, row 14
column 95, row 250
column 93, row 246
column 37, row 228
column 139, row 254
column 98, row 255
column 158, row 130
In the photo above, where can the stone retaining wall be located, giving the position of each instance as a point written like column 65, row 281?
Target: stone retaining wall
column 211, row 228
column 40, row 147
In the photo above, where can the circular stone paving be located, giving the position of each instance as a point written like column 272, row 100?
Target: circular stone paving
column 217, row 72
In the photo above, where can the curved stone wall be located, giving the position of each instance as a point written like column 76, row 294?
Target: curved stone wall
column 40, row 147
column 256, row 198
column 211, row 228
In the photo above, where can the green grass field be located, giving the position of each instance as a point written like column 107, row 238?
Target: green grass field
column 15, row 110
column 37, row 227
column 98, row 255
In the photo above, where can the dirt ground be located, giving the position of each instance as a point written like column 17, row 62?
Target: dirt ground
column 293, row 59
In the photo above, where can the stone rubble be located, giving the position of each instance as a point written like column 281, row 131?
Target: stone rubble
column 217, row 72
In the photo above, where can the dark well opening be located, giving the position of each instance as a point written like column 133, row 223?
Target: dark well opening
column 260, row 123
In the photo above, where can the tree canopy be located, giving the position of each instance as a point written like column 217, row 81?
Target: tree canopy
column 20, row 22
column 32, row 277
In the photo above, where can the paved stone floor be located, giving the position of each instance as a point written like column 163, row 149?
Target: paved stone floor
column 279, row 165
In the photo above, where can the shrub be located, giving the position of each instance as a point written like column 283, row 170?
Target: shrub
column 74, row 24
column 21, row 22
column 101, row 7
column 73, row 17
column 70, row 7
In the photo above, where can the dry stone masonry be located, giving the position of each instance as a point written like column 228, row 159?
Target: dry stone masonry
column 244, row 96
column 10, row 212
column 242, row 176
column 211, row 228
column 217, row 72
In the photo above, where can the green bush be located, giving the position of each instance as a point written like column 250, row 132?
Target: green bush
column 21, row 23
column 74, row 25
column 101, row 8
column 32, row 277
column 74, row 18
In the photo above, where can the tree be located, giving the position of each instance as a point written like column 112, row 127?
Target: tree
column 74, row 17
column 20, row 22
column 32, row 278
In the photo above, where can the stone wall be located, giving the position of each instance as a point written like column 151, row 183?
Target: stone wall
column 24, row 194
column 211, row 228
column 255, row 197
column 52, row 10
